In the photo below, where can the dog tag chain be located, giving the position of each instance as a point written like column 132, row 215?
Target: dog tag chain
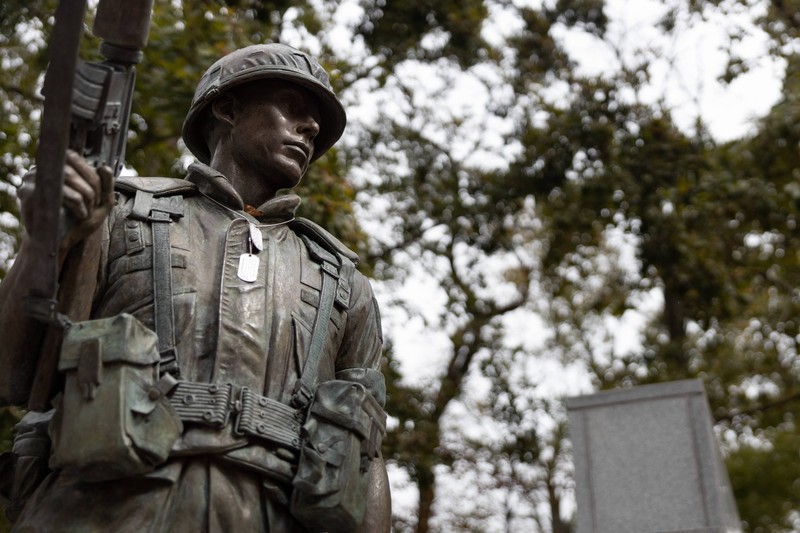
column 249, row 262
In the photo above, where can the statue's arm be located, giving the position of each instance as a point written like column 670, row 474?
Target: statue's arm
column 88, row 196
column 378, row 517
column 21, row 334
column 362, row 348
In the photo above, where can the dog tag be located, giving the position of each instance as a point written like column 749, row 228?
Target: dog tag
column 248, row 268
column 256, row 239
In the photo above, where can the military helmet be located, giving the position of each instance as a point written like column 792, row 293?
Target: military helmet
column 262, row 62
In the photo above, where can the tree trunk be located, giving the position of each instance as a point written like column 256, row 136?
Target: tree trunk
column 426, row 495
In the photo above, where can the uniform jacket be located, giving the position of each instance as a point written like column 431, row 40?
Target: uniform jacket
column 252, row 334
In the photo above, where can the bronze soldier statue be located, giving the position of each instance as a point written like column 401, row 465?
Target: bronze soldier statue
column 228, row 377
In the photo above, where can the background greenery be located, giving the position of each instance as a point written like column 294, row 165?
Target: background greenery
column 711, row 227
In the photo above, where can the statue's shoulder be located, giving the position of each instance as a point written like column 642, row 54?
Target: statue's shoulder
column 322, row 242
column 157, row 186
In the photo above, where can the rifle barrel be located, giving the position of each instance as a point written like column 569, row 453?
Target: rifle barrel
column 51, row 153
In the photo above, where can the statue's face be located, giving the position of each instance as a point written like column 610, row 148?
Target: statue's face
column 272, row 135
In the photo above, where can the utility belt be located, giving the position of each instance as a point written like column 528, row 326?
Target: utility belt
column 118, row 417
column 251, row 415
column 334, row 438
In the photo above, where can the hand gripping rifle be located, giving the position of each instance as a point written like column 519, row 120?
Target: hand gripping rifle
column 86, row 109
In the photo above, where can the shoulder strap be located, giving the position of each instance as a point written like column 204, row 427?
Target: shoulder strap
column 160, row 212
column 335, row 291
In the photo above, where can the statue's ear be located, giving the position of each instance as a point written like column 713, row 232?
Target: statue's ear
column 222, row 108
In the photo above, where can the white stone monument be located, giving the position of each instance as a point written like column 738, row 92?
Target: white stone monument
column 647, row 461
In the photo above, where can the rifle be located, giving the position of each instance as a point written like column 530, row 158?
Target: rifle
column 87, row 108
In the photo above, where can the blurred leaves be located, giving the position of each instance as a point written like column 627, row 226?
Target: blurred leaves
column 407, row 29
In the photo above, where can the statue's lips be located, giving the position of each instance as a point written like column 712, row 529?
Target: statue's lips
column 298, row 150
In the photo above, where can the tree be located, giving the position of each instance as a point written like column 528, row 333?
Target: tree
column 23, row 61
column 464, row 224
column 709, row 225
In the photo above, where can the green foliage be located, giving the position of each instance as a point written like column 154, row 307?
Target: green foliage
column 24, row 57
column 714, row 227
column 396, row 30
column 599, row 164
column 765, row 501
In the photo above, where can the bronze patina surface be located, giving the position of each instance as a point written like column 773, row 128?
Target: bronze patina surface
column 210, row 420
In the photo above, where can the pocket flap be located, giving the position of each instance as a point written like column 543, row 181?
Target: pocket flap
column 120, row 338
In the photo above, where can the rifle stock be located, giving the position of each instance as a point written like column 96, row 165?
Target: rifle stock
column 87, row 108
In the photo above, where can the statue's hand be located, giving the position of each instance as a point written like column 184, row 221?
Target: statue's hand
column 88, row 197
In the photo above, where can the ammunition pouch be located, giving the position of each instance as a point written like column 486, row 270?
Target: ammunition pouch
column 341, row 435
column 24, row 468
column 113, row 419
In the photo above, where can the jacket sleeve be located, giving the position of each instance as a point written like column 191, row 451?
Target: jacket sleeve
column 359, row 360
column 360, row 352
column 21, row 335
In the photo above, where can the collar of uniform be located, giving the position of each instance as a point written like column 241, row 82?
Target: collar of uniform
column 279, row 209
column 213, row 184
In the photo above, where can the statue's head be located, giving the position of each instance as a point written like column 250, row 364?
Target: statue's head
column 264, row 62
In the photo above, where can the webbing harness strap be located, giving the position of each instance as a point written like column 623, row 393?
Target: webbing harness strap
column 211, row 404
column 161, row 212
column 303, row 389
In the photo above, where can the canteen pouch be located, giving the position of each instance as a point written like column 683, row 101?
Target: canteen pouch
column 113, row 419
column 342, row 434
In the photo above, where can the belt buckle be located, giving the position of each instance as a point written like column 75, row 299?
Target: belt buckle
column 239, row 407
